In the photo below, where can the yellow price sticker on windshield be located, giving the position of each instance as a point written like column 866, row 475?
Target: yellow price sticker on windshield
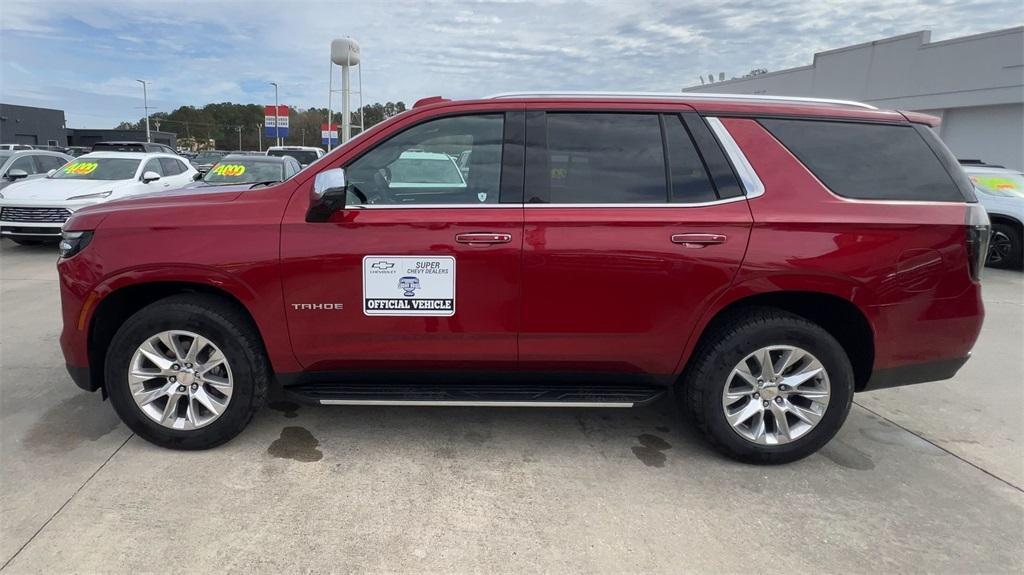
column 995, row 182
column 80, row 168
column 228, row 169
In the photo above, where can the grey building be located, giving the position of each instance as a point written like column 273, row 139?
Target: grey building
column 33, row 126
column 88, row 136
column 974, row 83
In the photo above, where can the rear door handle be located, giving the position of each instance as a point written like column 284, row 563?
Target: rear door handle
column 698, row 240
column 482, row 238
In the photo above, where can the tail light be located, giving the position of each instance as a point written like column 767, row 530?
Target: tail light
column 978, row 232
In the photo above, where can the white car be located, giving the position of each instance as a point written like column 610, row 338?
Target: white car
column 1001, row 191
column 306, row 155
column 34, row 211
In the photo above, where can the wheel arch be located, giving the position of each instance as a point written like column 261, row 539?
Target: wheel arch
column 837, row 315
column 118, row 305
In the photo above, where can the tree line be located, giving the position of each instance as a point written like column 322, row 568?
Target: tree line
column 225, row 122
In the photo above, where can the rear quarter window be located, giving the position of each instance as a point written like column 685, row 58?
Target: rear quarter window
column 868, row 161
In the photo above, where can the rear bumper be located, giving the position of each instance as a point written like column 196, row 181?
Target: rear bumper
column 914, row 373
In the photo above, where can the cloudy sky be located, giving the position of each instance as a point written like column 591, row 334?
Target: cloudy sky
column 84, row 57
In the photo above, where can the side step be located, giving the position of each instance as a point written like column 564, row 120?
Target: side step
column 471, row 395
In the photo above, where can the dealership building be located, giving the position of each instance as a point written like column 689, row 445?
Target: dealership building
column 46, row 127
column 974, row 83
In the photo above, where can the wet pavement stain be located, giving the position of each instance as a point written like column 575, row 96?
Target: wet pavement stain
column 848, row 456
column 65, row 426
column 288, row 408
column 296, row 443
column 650, row 450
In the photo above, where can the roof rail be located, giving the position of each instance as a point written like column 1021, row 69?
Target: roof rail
column 685, row 96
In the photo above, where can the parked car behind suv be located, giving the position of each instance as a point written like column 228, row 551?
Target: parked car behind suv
column 1001, row 191
column 602, row 250
column 238, row 169
column 32, row 212
column 22, row 165
column 145, row 147
column 305, row 155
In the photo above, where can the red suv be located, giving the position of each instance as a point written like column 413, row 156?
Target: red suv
column 760, row 258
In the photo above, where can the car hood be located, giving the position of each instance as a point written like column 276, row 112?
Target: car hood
column 50, row 189
column 1013, row 207
column 90, row 217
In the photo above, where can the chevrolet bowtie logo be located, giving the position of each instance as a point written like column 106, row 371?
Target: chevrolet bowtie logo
column 382, row 266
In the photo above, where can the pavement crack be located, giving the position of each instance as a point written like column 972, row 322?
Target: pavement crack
column 941, row 448
column 65, row 504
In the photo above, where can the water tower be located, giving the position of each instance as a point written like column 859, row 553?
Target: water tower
column 344, row 53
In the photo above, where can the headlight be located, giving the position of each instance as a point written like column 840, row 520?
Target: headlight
column 73, row 242
column 97, row 196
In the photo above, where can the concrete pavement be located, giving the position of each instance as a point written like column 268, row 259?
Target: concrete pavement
column 926, row 478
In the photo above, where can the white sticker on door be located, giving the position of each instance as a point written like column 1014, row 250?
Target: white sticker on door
column 409, row 285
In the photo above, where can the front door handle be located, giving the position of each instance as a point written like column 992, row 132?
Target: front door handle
column 483, row 238
column 698, row 240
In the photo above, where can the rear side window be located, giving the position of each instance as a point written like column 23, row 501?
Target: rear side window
column 605, row 158
column 690, row 181
column 867, row 161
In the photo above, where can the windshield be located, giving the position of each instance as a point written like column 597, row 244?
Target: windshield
column 1004, row 184
column 425, row 171
column 303, row 156
column 98, row 169
column 244, row 172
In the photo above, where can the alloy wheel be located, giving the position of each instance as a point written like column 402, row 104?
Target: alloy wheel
column 999, row 247
column 180, row 380
column 776, row 395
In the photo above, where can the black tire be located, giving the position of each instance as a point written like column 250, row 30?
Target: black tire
column 725, row 345
column 1005, row 248
column 223, row 324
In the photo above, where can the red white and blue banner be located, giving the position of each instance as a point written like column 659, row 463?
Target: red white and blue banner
column 329, row 135
column 275, row 124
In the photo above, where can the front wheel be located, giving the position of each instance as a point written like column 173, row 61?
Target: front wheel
column 187, row 372
column 767, row 386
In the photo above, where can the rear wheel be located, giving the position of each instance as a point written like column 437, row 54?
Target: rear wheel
column 187, row 372
column 767, row 386
column 1004, row 247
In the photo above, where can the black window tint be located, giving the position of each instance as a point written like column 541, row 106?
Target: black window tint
column 605, row 158
column 690, row 183
column 867, row 161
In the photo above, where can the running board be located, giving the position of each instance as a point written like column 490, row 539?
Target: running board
column 481, row 395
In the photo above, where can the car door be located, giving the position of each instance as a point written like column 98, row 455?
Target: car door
column 393, row 282
column 630, row 232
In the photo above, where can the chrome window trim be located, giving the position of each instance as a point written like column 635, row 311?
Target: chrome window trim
column 428, row 206
column 561, row 205
column 748, row 177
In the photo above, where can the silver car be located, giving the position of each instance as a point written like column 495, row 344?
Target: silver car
column 20, row 165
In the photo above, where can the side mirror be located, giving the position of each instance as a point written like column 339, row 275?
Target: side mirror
column 50, row 173
column 197, row 176
column 14, row 175
column 150, row 177
column 327, row 195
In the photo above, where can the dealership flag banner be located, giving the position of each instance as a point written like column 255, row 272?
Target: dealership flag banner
column 275, row 125
column 329, row 135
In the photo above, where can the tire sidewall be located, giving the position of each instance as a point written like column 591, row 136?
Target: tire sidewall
column 144, row 325
column 816, row 341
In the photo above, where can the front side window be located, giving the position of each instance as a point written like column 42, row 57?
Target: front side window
column 605, row 158
column 48, row 163
column 86, row 168
column 153, row 166
column 24, row 163
column 421, row 165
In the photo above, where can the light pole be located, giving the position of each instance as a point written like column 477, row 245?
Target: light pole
column 259, row 135
column 277, row 120
column 239, row 128
column 145, row 106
